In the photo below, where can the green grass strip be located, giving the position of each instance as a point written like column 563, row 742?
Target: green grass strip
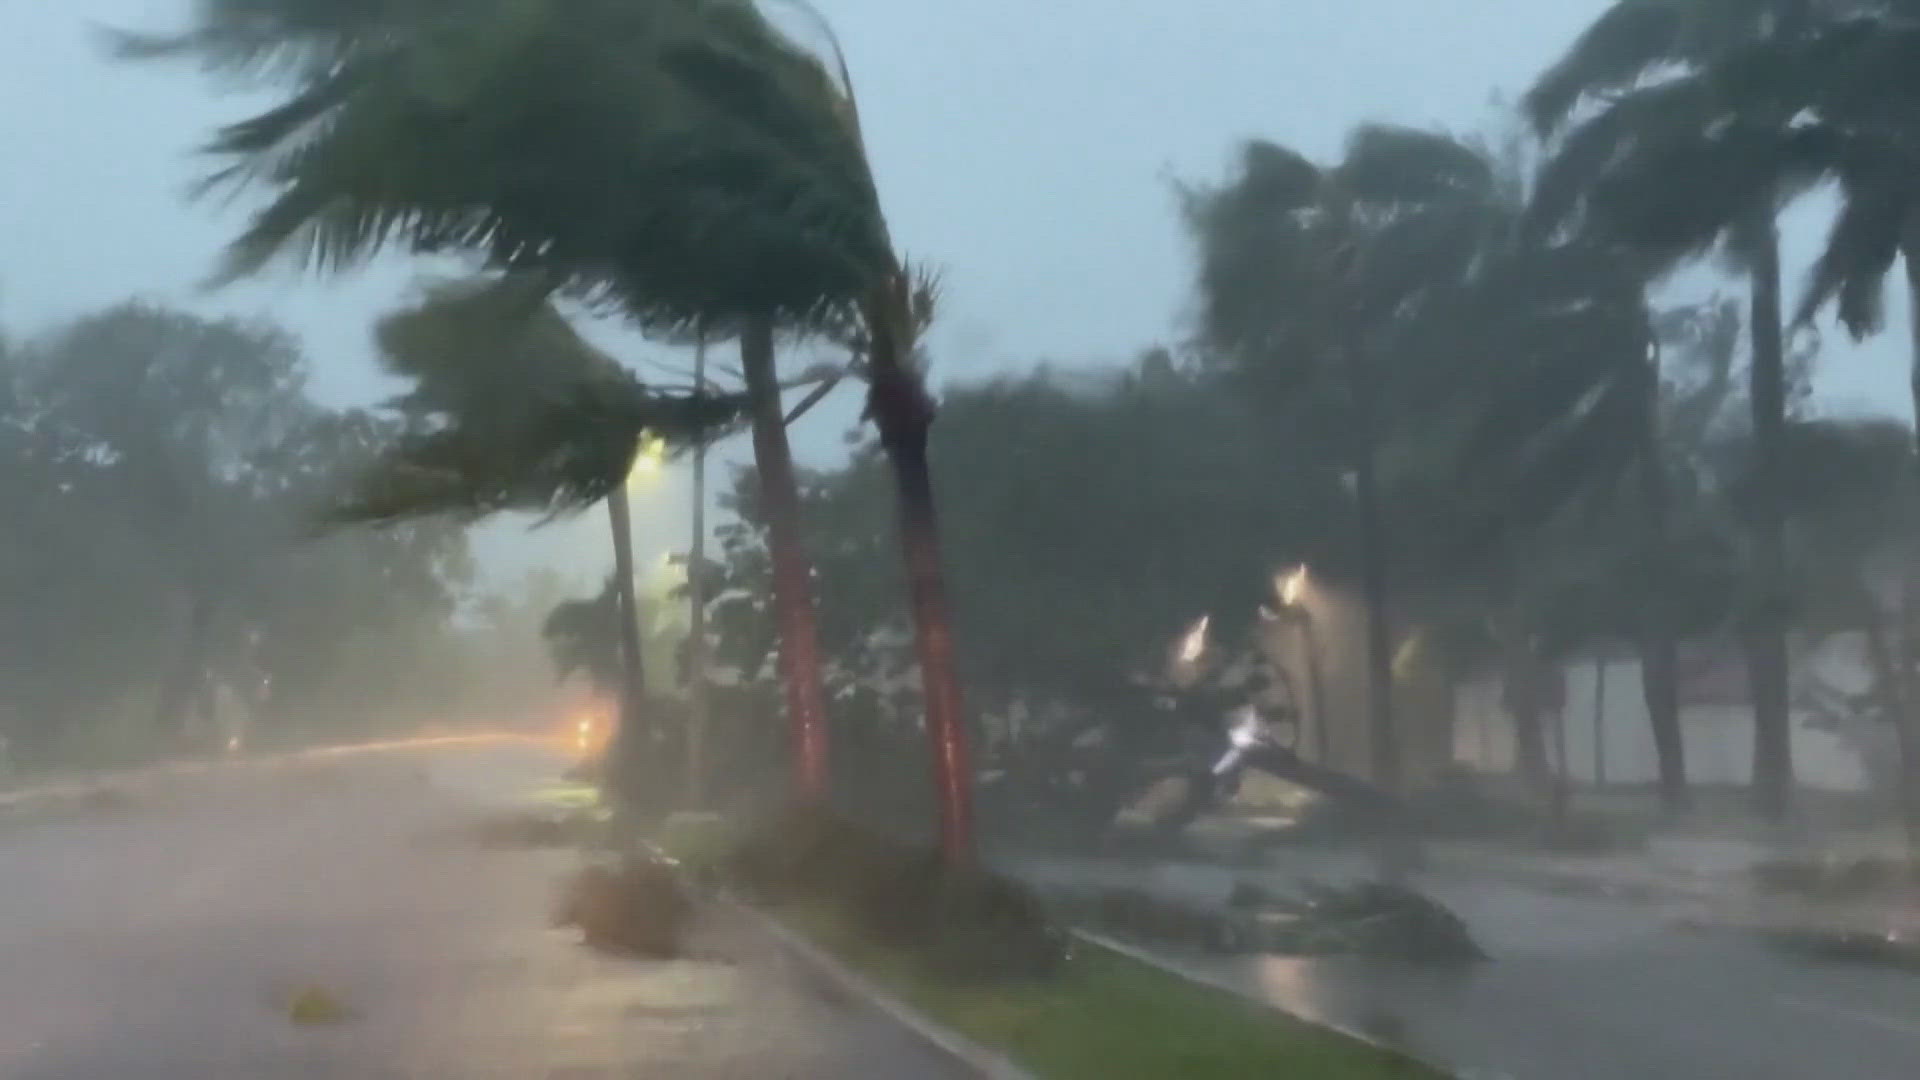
column 1110, row 1017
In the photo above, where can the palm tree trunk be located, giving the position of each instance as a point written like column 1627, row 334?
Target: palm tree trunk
column 1907, row 716
column 1385, row 758
column 626, row 755
column 901, row 408
column 1523, row 701
column 1767, row 656
column 1562, row 770
column 697, row 609
column 1599, row 723
column 1659, row 651
column 189, row 674
column 792, row 572
column 1890, row 656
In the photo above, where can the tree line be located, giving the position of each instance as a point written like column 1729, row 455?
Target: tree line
column 162, row 472
column 1456, row 343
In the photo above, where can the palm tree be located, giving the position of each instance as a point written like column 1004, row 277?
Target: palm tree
column 684, row 162
column 1309, row 274
column 1392, row 293
column 1657, row 164
column 1851, row 103
column 514, row 410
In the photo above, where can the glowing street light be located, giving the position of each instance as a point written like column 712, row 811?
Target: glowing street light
column 651, row 458
column 1195, row 641
column 1292, row 585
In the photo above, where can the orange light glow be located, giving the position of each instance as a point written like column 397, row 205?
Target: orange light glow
column 590, row 729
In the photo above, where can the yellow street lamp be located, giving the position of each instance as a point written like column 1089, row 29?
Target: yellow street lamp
column 1292, row 585
column 651, row 459
column 1195, row 641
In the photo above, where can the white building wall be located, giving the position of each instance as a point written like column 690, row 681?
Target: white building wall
column 1719, row 738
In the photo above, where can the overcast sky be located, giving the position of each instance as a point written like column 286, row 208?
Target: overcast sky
column 1026, row 148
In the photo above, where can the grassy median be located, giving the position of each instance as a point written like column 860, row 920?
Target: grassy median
column 1104, row 1016
column 1097, row 1015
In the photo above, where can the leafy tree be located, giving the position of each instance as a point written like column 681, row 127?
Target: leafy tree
column 162, row 469
column 177, row 409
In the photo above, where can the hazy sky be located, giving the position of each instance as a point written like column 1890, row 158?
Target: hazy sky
column 1026, row 148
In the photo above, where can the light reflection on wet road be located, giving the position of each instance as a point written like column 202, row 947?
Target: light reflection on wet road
column 1579, row 989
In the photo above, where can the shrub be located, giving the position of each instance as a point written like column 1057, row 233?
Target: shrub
column 987, row 927
column 633, row 907
column 967, row 923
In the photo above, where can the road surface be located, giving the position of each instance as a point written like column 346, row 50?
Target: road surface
column 169, row 936
column 1578, row 989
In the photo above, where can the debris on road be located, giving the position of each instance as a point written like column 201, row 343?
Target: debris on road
column 315, row 1006
column 633, row 907
column 1369, row 919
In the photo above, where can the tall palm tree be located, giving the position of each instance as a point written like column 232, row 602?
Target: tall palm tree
column 1655, row 164
column 681, row 160
column 1309, row 274
column 514, row 410
column 799, row 653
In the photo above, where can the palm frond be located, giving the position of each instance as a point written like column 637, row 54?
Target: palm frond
column 1634, row 41
column 1852, row 268
column 513, row 410
column 279, row 38
column 1387, row 164
column 1612, row 54
column 1610, row 142
column 685, row 161
column 1277, row 177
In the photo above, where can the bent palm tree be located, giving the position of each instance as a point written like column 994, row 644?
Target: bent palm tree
column 1663, row 164
column 681, row 160
column 513, row 410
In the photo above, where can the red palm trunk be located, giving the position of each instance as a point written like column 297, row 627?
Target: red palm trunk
column 899, row 405
column 792, row 573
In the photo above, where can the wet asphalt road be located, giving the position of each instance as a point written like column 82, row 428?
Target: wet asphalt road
column 166, row 938
column 1579, row 989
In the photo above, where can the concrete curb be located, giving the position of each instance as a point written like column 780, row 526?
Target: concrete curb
column 1201, row 977
column 987, row 1062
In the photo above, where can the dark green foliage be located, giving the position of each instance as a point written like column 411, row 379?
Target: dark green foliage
column 1367, row 919
column 1376, row 919
column 967, row 923
column 683, row 159
column 511, row 409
